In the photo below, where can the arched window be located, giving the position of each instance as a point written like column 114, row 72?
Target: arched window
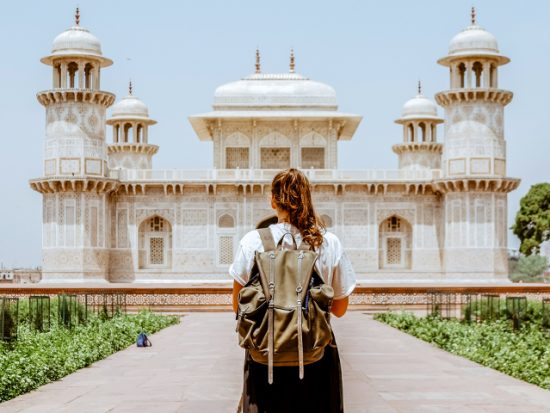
column 477, row 68
column 411, row 132
column 139, row 133
column 72, row 70
column 422, row 127
column 88, row 70
column 117, row 134
column 155, row 243
column 226, row 221
column 127, row 128
column 394, row 243
column 461, row 74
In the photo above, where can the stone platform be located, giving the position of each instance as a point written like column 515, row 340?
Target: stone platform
column 184, row 297
column 196, row 366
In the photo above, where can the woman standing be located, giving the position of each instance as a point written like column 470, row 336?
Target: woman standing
column 320, row 390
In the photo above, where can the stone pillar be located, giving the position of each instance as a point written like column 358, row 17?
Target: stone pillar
column 486, row 74
column 80, row 74
column 428, row 132
column 468, row 82
column 63, row 75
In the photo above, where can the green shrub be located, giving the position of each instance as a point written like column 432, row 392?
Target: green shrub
column 524, row 354
column 38, row 358
column 530, row 268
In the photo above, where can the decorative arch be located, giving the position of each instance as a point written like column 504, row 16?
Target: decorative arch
column 155, row 243
column 226, row 221
column 237, row 139
column 395, row 243
column 313, row 139
column 275, row 140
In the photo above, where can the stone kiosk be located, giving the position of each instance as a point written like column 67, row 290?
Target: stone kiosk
column 108, row 216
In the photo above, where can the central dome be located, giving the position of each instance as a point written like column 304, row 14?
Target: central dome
column 267, row 91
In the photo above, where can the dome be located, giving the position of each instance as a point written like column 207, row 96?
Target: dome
column 474, row 41
column 275, row 90
column 129, row 108
column 77, row 41
column 419, row 107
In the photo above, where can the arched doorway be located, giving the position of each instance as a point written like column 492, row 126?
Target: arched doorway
column 394, row 243
column 155, row 243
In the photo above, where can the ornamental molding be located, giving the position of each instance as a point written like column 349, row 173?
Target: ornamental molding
column 50, row 97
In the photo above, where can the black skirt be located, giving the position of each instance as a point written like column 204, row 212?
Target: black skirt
column 320, row 390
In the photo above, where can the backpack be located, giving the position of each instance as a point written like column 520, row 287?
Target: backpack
column 143, row 340
column 283, row 316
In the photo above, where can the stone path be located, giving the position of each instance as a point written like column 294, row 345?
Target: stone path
column 196, row 367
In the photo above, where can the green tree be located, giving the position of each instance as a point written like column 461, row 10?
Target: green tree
column 532, row 223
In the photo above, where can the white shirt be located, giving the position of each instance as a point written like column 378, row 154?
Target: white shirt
column 332, row 264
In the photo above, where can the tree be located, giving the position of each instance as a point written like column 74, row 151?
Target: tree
column 532, row 223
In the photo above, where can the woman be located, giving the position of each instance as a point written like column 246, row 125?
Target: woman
column 321, row 388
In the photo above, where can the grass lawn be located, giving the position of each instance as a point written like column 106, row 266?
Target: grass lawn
column 37, row 358
column 524, row 354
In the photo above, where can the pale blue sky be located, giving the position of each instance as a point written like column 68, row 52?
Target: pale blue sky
column 371, row 52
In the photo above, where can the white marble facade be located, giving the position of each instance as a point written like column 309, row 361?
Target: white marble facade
column 109, row 216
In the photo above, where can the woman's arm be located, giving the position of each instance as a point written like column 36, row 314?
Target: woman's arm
column 339, row 307
column 236, row 288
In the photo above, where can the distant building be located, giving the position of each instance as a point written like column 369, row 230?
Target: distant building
column 110, row 217
column 20, row 275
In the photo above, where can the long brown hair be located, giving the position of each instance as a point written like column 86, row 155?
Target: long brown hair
column 291, row 192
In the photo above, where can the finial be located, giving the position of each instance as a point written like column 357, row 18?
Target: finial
column 130, row 87
column 77, row 16
column 292, row 61
column 258, row 66
column 420, row 87
column 473, row 16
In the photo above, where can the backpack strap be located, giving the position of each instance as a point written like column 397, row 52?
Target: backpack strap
column 267, row 239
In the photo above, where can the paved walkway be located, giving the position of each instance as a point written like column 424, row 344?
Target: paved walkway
column 196, row 367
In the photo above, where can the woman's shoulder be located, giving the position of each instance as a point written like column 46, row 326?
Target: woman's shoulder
column 331, row 239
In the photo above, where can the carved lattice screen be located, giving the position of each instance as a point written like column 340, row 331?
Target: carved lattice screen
column 313, row 158
column 275, row 158
column 156, row 245
column 236, row 158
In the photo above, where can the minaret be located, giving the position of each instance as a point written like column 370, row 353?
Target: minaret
column 420, row 149
column 130, row 148
column 75, row 184
column 474, row 181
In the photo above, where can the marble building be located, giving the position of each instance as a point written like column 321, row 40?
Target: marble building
column 108, row 216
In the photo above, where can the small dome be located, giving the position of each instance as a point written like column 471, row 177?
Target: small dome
column 129, row 108
column 473, row 39
column 77, row 41
column 419, row 107
column 275, row 90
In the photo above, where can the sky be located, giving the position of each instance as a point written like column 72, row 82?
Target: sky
column 178, row 52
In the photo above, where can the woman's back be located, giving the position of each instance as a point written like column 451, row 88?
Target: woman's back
column 332, row 264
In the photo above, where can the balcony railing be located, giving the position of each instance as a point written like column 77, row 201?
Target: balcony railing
column 266, row 175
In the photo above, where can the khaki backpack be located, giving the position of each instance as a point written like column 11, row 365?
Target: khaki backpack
column 284, row 309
